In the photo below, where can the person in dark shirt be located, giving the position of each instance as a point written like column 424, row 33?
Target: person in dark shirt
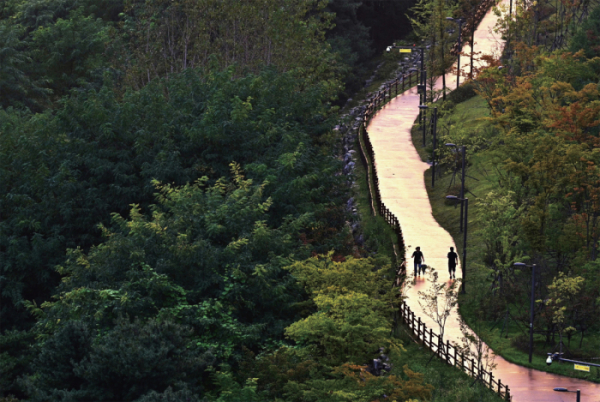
column 452, row 262
column 419, row 258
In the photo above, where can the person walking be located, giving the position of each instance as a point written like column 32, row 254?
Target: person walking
column 452, row 262
column 419, row 258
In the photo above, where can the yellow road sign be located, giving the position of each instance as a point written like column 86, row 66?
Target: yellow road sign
column 582, row 368
column 405, row 50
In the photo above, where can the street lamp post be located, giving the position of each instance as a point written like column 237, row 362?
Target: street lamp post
column 472, row 45
column 422, row 89
column 464, row 259
column 459, row 21
column 423, row 109
column 434, row 130
column 434, row 135
column 531, row 304
column 462, row 181
column 561, row 389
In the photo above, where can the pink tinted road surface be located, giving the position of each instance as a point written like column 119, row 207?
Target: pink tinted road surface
column 403, row 190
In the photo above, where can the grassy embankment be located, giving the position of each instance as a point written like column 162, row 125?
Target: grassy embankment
column 480, row 181
column 450, row 383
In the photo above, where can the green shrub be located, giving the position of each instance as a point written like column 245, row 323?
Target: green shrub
column 462, row 93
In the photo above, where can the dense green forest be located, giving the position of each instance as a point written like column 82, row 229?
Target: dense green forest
column 168, row 178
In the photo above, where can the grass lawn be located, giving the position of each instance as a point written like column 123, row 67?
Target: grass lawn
column 505, row 337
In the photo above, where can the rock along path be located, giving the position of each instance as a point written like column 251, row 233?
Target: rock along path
column 401, row 179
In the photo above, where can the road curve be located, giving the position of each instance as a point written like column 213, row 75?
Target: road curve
column 401, row 180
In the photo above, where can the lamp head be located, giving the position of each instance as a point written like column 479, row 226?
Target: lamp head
column 452, row 197
column 423, row 107
column 520, row 264
column 450, row 18
column 450, row 144
column 561, row 389
column 388, row 49
column 549, row 360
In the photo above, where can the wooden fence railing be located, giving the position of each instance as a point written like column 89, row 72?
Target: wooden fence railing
column 446, row 351
column 368, row 155
column 450, row 353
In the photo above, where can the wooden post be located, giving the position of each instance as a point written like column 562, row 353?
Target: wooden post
column 507, row 394
column 448, row 351
column 491, row 381
column 473, row 366
column 403, row 78
column 440, row 345
column 499, row 388
column 455, row 354
column 419, row 328
column 431, row 338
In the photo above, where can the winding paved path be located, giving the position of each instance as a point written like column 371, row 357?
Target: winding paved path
column 403, row 191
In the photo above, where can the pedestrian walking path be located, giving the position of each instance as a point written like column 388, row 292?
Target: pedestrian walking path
column 401, row 181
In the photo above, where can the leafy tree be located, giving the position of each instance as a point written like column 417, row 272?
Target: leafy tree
column 276, row 370
column 438, row 301
column 206, row 259
column 563, row 296
column 170, row 396
column 351, row 39
column 322, row 275
column 474, row 347
column 54, row 365
column 428, row 20
column 585, row 38
column 168, row 37
column 345, row 329
column 352, row 307
column 501, row 237
column 123, row 364
column 354, row 383
column 231, row 391
column 17, row 89
column 17, row 351
column 70, row 51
